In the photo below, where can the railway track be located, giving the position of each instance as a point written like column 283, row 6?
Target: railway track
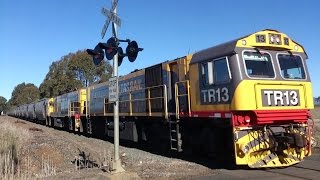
column 308, row 169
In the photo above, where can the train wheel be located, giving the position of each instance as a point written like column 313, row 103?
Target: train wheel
column 226, row 147
column 51, row 122
column 89, row 126
column 65, row 122
column 71, row 124
column 98, row 127
column 82, row 128
column 47, row 121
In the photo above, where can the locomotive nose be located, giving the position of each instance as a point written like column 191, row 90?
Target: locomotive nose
column 273, row 96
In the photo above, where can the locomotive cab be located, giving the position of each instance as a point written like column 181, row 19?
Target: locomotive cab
column 259, row 84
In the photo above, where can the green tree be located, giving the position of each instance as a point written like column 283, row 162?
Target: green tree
column 71, row 72
column 3, row 104
column 24, row 93
column 59, row 80
column 82, row 68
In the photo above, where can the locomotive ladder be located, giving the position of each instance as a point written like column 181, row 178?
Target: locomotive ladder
column 175, row 135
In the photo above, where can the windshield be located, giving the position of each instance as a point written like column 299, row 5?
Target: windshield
column 291, row 66
column 258, row 65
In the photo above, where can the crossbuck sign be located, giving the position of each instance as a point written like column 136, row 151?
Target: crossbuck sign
column 111, row 16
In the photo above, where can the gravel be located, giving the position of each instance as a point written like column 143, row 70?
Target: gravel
column 61, row 150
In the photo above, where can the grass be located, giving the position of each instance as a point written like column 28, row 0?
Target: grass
column 316, row 136
column 14, row 164
column 315, row 112
column 11, row 142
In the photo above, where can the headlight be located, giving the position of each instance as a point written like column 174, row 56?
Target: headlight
column 244, row 42
column 275, row 39
column 272, row 39
column 245, row 149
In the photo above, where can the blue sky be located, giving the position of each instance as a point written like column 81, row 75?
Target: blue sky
column 34, row 33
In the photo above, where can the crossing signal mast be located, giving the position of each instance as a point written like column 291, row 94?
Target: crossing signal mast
column 112, row 50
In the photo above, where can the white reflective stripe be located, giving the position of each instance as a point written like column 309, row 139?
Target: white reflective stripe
column 195, row 115
column 210, row 72
column 227, row 115
column 217, row 114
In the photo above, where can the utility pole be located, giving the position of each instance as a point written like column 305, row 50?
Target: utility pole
column 112, row 50
column 116, row 167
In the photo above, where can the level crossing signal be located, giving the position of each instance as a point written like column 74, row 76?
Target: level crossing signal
column 132, row 50
column 97, row 54
column 111, row 48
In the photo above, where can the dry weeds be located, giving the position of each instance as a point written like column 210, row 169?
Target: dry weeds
column 21, row 122
column 14, row 162
column 315, row 112
column 316, row 136
column 35, row 129
column 11, row 143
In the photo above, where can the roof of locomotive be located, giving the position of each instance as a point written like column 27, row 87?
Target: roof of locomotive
column 226, row 49
column 215, row 52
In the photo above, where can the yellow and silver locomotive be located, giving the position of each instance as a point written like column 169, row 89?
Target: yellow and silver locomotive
column 248, row 99
column 260, row 85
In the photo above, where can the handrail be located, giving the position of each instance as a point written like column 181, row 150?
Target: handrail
column 74, row 109
column 148, row 99
column 165, row 94
column 87, row 108
column 177, row 95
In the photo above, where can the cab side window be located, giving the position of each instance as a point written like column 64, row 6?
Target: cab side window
column 221, row 71
column 215, row 72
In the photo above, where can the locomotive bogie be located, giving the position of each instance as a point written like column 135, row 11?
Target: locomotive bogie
column 264, row 147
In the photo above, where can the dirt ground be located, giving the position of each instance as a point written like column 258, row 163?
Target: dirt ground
column 57, row 152
column 316, row 116
column 53, row 154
